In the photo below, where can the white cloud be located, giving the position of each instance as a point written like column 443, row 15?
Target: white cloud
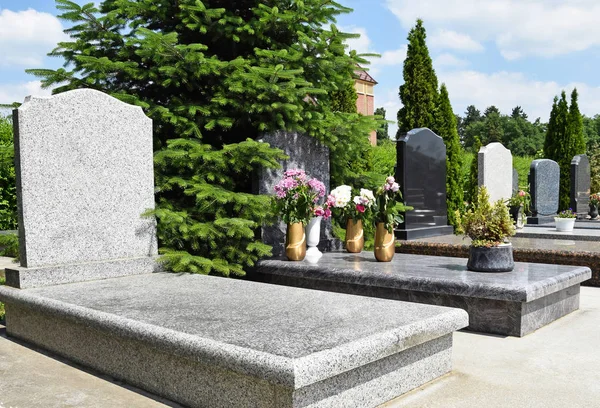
column 449, row 60
column 27, row 36
column 10, row 93
column 362, row 44
column 448, row 39
column 519, row 28
column 509, row 89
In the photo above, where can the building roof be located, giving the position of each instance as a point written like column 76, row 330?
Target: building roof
column 364, row 76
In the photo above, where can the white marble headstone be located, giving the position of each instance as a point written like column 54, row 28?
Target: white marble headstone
column 496, row 171
column 84, row 164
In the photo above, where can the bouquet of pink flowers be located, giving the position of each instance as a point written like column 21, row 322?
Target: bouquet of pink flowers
column 297, row 195
column 389, row 206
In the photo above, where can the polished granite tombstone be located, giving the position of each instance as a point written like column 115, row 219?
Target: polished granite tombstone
column 304, row 152
column 510, row 303
column 544, row 183
column 421, row 173
column 580, row 185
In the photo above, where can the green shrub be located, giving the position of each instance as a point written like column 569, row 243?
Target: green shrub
column 522, row 165
column 8, row 193
column 486, row 224
column 9, row 245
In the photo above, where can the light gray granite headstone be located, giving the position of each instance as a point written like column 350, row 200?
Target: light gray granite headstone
column 304, row 153
column 544, row 182
column 515, row 182
column 495, row 171
column 84, row 169
column 580, row 185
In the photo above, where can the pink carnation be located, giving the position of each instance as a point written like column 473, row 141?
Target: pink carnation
column 395, row 187
column 327, row 214
column 390, row 180
column 360, row 208
column 522, row 193
column 319, row 211
column 330, row 201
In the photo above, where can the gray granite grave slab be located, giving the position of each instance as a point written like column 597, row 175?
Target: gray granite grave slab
column 582, row 233
column 544, row 179
column 304, row 153
column 421, row 173
column 251, row 345
column 495, row 171
column 85, row 176
column 580, row 185
column 509, row 303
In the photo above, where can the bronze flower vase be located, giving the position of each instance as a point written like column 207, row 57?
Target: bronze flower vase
column 384, row 243
column 295, row 242
column 355, row 236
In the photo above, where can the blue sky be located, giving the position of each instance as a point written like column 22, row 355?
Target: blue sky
column 501, row 52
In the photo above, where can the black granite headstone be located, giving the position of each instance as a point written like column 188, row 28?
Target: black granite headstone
column 580, row 185
column 544, row 183
column 421, row 172
column 515, row 182
column 304, row 153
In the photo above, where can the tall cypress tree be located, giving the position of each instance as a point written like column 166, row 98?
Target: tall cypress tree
column 419, row 92
column 576, row 126
column 446, row 126
column 558, row 146
column 382, row 132
column 473, row 186
column 214, row 76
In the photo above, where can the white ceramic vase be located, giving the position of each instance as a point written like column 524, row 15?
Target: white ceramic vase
column 313, row 236
column 564, row 224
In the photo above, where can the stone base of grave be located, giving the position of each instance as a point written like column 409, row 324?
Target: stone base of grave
column 540, row 219
column 212, row 342
column 26, row 278
column 548, row 231
column 511, row 303
column 423, row 232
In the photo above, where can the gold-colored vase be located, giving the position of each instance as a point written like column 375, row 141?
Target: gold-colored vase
column 295, row 242
column 355, row 236
column 384, row 243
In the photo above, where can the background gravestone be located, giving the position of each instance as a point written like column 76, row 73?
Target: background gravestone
column 84, row 177
column 495, row 171
column 544, row 182
column 580, row 185
column 304, row 153
column 421, row 173
column 515, row 182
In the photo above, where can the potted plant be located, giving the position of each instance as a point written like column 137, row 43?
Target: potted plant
column 489, row 226
column 353, row 211
column 518, row 206
column 296, row 196
column 565, row 220
column 594, row 201
column 387, row 211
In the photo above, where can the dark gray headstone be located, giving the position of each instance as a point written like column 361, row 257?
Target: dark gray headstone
column 544, row 182
column 304, row 153
column 580, row 185
column 515, row 182
column 421, row 172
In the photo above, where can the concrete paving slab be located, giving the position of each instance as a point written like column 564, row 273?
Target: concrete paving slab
column 31, row 378
column 555, row 367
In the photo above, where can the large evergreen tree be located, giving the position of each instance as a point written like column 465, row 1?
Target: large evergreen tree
column 446, row 126
column 214, row 75
column 419, row 92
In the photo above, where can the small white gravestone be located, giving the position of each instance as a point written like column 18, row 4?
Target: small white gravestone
column 84, row 177
column 496, row 171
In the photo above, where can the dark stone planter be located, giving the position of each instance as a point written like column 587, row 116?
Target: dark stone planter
column 493, row 259
column 593, row 212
